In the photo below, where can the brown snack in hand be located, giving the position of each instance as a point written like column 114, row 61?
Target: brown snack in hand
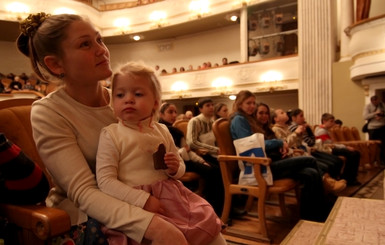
column 158, row 157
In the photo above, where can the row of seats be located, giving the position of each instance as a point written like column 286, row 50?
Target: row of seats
column 369, row 149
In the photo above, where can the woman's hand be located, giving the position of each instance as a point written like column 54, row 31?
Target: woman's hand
column 153, row 205
column 172, row 162
column 161, row 232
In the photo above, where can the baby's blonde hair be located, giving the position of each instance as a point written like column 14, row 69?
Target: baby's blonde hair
column 140, row 69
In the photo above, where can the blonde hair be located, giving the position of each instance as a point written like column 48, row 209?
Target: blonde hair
column 41, row 35
column 140, row 69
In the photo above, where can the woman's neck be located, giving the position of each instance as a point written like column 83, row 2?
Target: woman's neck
column 94, row 96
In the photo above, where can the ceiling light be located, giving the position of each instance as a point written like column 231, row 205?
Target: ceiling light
column 232, row 97
column 271, row 76
column 122, row 24
column 16, row 7
column 234, row 18
column 158, row 17
column 179, row 86
column 199, row 7
column 136, row 37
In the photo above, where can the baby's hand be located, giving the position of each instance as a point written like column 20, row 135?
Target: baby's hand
column 172, row 162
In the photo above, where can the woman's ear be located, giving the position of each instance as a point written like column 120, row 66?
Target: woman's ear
column 54, row 65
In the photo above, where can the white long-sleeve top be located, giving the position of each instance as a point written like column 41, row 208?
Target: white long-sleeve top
column 66, row 133
column 124, row 159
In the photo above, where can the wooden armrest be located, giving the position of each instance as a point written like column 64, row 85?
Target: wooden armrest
column 43, row 221
column 254, row 160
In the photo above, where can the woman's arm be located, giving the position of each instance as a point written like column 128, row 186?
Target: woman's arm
column 57, row 142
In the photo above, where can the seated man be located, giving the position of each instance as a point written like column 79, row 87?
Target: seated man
column 352, row 156
column 200, row 138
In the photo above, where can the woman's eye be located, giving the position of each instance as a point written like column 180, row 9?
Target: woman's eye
column 120, row 95
column 138, row 94
column 100, row 40
column 85, row 44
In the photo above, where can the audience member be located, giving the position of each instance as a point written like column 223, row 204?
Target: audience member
column 181, row 69
column 174, row 70
column 220, row 111
column 374, row 113
column 16, row 84
column 188, row 115
column 224, row 61
column 181, row 116
column 131, row 166
column 194, row 162
column 65, row 141
column 190, row 68
column 313, row 205
column 334, row 162
column 326, row 164
column 352, row 156
column 338, row 123
column 201, row 139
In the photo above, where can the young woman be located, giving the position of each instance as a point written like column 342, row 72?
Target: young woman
column 243, row 123
column 129, row 152
column 221, row 111
column 66, row 126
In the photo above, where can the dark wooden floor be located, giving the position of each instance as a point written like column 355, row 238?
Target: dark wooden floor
column 278, row 227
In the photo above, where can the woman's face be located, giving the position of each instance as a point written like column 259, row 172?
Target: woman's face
column 85, row 57
column 170, row 114
column 248, row 105
column 262, row 115
column 223, row 112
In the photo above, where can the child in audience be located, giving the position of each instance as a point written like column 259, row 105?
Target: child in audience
column 352, row 156
column 325, row 163
column 138, row 162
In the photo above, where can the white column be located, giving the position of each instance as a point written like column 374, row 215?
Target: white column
column 347, row 18
column 316, row 44
column 243, row 34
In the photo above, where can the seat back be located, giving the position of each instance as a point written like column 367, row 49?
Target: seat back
column 221, row 129
column 355, row 133
column 181, row 125
column 347, row 132
column 337, row 134
column 15, row 124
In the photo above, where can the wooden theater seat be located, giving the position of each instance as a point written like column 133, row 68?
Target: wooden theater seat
column 230, row 172
column 35, row 224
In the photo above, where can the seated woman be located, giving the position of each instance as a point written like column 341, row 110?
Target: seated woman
column 221, row 111
column 194, row 163
column 66, row 126
column 243, row 123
